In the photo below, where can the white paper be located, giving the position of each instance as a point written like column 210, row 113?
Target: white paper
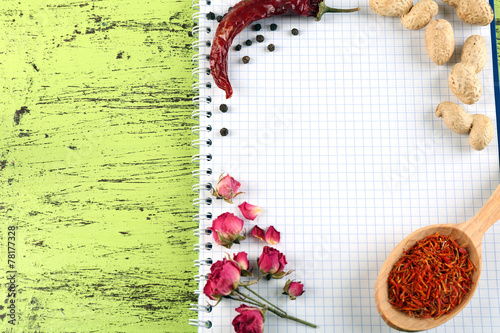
column 334, row 135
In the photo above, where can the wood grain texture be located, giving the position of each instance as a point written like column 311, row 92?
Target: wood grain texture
column 95, row 164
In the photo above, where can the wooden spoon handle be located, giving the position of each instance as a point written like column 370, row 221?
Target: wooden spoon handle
column 488, row 215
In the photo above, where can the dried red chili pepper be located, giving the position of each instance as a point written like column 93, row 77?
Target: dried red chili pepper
column 242, row 15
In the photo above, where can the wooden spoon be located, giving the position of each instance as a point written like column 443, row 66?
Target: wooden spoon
column 467, row 234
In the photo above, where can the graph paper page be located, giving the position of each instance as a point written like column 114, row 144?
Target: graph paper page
column 334, row 136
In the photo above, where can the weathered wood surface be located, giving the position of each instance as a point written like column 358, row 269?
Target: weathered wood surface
column 95, row 164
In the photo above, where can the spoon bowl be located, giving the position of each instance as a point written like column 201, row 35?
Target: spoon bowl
column 468, row 234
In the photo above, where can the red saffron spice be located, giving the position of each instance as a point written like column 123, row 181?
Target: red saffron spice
column 431, row 278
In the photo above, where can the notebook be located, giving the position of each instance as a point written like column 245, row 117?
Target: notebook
column 334, row 136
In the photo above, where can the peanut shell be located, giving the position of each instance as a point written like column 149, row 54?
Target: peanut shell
column 482, row 132
column 454, row 117
column 391, row 7
column 476, row 12
column 420, row 15
column 465, row 84
column 474, row 52
column 439, row 41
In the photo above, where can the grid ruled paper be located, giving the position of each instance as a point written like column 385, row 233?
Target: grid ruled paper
column 334, row 135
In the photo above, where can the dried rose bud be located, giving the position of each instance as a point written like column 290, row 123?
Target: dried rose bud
column 250, row 212
column 272, row 236
column 293, row 289
column 227, row 188
column 258, row 233
column 226, row 229
column 224, row 277
column 241, row 259
column 250, row 320
column 272, row 263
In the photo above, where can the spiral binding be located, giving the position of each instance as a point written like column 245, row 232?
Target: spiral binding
column 197, row 58
column 199, row 232
column 198, row 308
column 203, row 262
column 199, row 217
column 197, row 44
column 199, row 85
column 202, row 89
column 203, row 247
column 201, row 142
column 199, row 187
column 198, row 202
column 197, row 29
column 202, row 157
column 196, row 114
column 197, row 129
column 197, row 71
column 200, row 323
column 201, row 277
column 199, row 172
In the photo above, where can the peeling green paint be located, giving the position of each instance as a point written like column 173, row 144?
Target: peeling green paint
column 95, row 164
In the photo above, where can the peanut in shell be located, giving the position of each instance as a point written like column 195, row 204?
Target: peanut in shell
column 391, row 7
column 439, row 41
column 420, row 15
column 463, row 80
column 475, row 12
column 482, row 132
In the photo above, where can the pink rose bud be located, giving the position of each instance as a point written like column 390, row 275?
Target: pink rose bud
column 250, row 320
column 241, row 259
column 249, row 211
column 258, row 233
column 226, row 229
column 227, row 188
column 223, row 278
column 272, row 263
column 293, row 289
column 272, row 236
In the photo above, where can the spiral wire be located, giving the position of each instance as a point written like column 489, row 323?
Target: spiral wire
column 201, row 101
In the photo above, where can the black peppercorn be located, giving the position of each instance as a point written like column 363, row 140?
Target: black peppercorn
column 274, row 26
column 223, row 108
column 248, row 42
column 270, row 47
column 259, row 38
column 229, row 9
column 295, row 32
column 245, row 59
column 210, row 16
column 224, row 131
column 237, row 47
column 257, row 27
column 218, row 18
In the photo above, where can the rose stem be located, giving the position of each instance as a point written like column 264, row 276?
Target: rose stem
column 240, row 299
column 265, row 300
column 246, row 298
column 281, row 315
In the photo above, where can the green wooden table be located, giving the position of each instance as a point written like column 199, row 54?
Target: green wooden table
column 95, row 165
